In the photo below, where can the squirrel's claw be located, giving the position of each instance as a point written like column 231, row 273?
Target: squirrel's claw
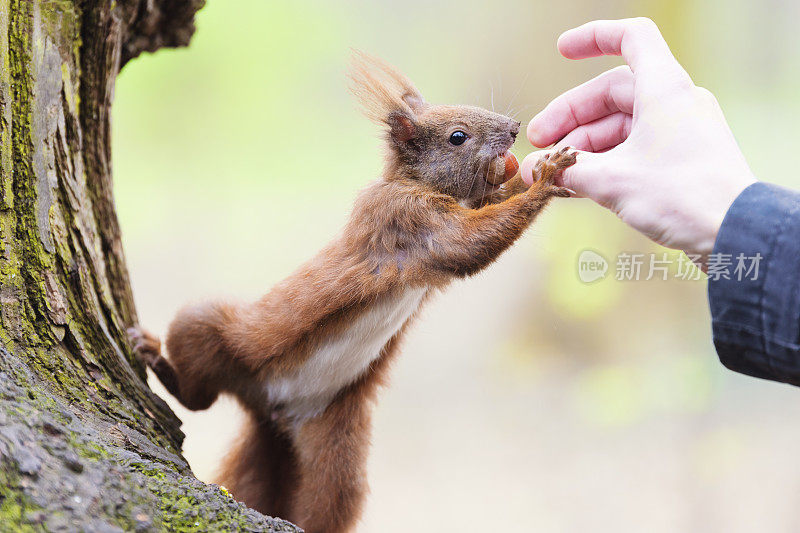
column 550, row 167
column 146, row 346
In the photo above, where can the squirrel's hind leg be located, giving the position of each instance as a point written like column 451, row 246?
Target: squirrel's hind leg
column 261, row 469
column 199, row 360
column 331, row 452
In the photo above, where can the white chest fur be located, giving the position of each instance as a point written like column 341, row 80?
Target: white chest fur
column 342, row 357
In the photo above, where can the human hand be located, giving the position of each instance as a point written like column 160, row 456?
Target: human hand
column 656, row 148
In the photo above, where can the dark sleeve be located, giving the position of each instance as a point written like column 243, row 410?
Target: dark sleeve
column 756, row 317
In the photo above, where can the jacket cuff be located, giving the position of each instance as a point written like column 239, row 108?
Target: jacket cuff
column 755, row 310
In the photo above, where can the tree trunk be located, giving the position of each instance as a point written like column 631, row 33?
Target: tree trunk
column 84, row 444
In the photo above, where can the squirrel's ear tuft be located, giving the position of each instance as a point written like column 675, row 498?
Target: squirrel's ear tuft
column 382, row 90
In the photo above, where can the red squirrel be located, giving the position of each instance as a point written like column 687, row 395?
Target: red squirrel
column 306, row 359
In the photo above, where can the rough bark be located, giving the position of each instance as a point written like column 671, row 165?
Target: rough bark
column 84, row 444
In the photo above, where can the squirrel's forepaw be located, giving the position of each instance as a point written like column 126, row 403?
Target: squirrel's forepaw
column 551, row 166
column 146, row 346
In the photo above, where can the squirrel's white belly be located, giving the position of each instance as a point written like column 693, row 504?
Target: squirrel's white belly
column 342, row 358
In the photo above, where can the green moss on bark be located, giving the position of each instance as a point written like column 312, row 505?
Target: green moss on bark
column 84, row 444
column 5, row 114
column 29, row 247
column 67, row 468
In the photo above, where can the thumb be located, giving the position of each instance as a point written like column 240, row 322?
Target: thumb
column 591, row 177
column 529, row 163
column 582, row 177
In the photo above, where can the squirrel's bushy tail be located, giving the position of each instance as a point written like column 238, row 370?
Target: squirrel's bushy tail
column 261, row 468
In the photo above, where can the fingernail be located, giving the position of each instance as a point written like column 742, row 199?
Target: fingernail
column 526, row 168
column 527, row 179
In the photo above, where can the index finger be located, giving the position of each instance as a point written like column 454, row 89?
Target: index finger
column 637, row 40
column 607, row 94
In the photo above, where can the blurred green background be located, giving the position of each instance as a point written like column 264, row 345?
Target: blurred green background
column 524, row 399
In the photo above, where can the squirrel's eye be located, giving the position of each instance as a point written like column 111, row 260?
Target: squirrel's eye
column 458, row 138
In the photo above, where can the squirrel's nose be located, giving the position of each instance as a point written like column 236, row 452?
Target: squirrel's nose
column 514, row 129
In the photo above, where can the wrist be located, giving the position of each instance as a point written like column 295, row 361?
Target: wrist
column 711, row 220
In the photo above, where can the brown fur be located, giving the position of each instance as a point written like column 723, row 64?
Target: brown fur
column 431, row 218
